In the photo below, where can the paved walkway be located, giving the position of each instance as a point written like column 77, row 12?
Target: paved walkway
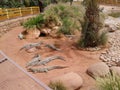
column 13, row 77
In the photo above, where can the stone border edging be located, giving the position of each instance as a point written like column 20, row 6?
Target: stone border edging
column 7, row 25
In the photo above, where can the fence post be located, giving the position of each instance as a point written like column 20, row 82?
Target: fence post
column 20, row 12
column 31, row 10
column 7, row 14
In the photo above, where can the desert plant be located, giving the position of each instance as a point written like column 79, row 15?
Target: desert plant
column 91, row 26
column 66, row 16
column 34, row 22
column 111, row 82
column 57, row 86
column 115, row 14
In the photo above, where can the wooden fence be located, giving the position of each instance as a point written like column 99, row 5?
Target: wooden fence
column 10, row 13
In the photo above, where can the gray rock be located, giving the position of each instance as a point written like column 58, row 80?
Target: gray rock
column 98, row 70
column 21, row 36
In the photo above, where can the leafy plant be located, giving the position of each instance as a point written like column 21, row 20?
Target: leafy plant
column 91, row 26
column 57, row 86
column 34, row 22
column 66, row 16
column 111, row 82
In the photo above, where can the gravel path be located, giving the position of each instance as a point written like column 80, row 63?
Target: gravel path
column 112, row 55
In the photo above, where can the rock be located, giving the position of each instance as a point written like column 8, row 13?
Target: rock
column 115, row 70
column 118, row 63
column 31, row 50
column 98, row 70
column 111, row 29
column 32, row 34
column 56, row 28
column 20, row 36
column 113, row 24
column 71, row 80
column 45, row 31
column 102, row 57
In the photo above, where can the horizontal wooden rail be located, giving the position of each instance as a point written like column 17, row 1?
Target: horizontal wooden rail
column 10, row 13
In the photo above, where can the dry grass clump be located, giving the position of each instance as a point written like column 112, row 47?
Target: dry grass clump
column 57, row 86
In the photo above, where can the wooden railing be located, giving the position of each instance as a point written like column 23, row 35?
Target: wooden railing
column 10, row 13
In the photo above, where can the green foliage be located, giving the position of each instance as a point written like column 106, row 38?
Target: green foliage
column 66, row 28
column 102, row 39
column 115, row 14
column 26, row 2
column 111, row 82
column 57, row 86
column 34, row 22
column 91, row 26
column 17, row 3
column 10, row 4
column 68, row 17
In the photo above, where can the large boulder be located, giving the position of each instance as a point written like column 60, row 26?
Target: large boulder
column 32, row 34
column 98, row 70
column 71, row 81
column 115, row 70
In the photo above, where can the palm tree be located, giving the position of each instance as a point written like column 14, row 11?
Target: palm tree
column 91, row 25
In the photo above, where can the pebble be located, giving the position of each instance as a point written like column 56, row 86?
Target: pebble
column 112, row 55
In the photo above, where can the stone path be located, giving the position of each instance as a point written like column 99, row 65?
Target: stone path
column 112, row 55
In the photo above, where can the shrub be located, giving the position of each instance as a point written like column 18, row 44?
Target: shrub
column 115, row 14
column 102, row 39
column 34, row 22
column 57, row 86
column 68, row 17
column 111, row 82
column 10, row 4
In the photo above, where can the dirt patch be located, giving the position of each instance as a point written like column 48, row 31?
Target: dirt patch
column 77, row 60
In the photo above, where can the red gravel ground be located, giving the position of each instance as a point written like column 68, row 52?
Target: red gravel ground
column 77, row 60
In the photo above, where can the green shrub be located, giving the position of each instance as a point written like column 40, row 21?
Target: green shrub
column 96, row 39
column 10, row 4
column 111, row 82
column 102, row 39
column 115, row 14
column 66, row 16
column 68, row 26
column 57, row 86
column 34, row 22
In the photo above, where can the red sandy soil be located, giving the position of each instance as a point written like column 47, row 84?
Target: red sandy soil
column 77, row 60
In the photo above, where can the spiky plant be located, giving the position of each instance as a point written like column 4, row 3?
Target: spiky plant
column 91, row 25
column 57, row 86
column 111, row 82
column 34, row 22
